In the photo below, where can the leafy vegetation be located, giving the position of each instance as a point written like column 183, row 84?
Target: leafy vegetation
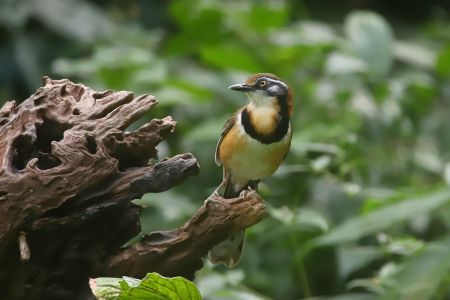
column 152, row 287
column 360, row 208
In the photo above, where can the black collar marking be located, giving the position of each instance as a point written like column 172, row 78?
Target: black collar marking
column 280, row 130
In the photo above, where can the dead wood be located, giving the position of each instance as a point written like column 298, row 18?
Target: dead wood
column 68, row 174
column 181, row 249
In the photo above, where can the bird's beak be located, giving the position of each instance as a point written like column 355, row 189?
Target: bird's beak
column 241, row 87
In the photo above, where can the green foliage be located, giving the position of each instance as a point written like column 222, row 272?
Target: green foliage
column 370, row 39
column 360, row 226
column 443, row 63
column 359, row 209
column 416, row 279
column 152, row 287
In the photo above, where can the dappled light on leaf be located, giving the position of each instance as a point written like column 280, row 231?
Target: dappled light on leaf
column 152, row 287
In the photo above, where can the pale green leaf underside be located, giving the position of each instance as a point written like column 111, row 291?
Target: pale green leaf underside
column 153, row 286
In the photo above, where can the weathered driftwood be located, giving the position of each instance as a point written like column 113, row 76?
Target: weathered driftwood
column 181, row 249
column 68, row 173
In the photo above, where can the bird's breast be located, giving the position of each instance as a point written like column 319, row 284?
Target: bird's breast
column 247, row 158
column 264, row 120
column 268, row 122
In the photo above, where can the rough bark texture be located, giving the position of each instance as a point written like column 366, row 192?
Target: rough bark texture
column 68, row 173
column 181, row 249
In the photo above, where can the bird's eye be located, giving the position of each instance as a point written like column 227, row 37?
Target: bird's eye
column 262, row 83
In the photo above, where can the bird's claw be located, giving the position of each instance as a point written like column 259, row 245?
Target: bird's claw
column 243, row 194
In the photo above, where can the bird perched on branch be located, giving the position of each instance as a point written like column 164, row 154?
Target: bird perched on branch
column 253, row 143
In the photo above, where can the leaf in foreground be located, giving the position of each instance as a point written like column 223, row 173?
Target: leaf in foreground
column 153, row 286
column 355, row 296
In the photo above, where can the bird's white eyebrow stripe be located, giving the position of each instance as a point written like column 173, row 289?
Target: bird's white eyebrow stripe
column 276, row 81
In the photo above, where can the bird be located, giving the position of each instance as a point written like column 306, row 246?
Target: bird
column 252, row 145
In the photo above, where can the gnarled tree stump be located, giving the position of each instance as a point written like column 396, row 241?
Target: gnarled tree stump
column 68, row 173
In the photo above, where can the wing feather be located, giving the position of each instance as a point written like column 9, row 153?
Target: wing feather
column 225, row 129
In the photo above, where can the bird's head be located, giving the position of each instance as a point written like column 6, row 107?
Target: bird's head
column 265, row 88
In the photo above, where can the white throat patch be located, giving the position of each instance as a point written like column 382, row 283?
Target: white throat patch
column 260, row 98
column 263, row 111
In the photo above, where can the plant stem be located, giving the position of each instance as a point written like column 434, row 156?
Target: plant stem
column 301, row 270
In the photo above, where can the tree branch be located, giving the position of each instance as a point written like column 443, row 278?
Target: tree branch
column 179, row 251
column 68, row 174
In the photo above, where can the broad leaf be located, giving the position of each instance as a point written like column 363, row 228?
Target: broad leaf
column 371, row 40
column 380, row 219
column 443, row 63
column 338, row 63
column 152, row 287
column 423, row 274
column 355, row 296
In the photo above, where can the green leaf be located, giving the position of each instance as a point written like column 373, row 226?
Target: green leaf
column 443, row 63
column 415, row 54
column 355, row 296
column 404, row 246
column 422, row 275
column 80, row 20
column 260, row 16
column 229, row 56
column 105, row 287
column 380, row 219
column 338, row 63
column 371, row 40
column 204, row 131
column 309, row 219
column 152, row 287
column 352, row 259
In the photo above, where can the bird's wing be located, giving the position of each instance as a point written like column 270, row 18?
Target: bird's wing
column 225, row 129
column 290, row 140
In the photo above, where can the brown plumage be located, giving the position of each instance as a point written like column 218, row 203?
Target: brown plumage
column 252, row 145
column 247, row 159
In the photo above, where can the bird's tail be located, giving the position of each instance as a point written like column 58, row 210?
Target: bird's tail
column 229, row 251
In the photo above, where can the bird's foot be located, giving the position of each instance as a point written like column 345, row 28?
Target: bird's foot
column 244, row 193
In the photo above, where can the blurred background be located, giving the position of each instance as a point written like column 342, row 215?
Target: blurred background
column 360, row 208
